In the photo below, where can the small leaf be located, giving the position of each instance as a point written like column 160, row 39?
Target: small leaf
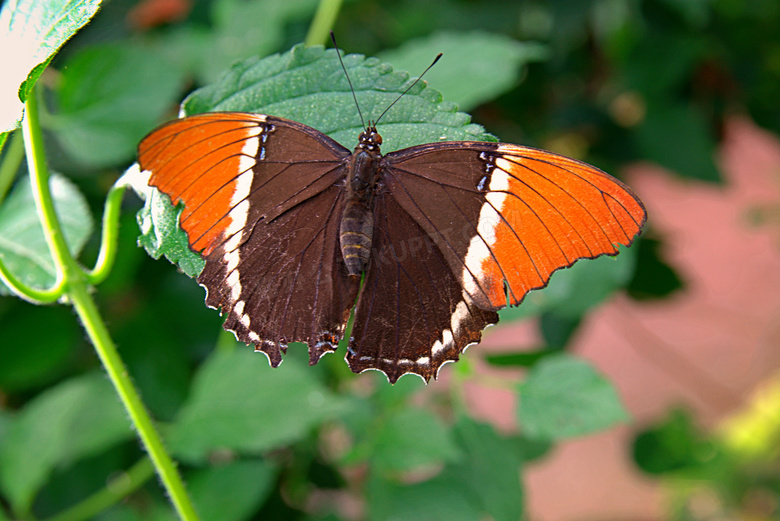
column 475, row 67
column 563, row 397
column 573, row 291
column 31, row 32
column 673, row 445
column 239, row 403
column 161, row 235
column 230, row 492
column 22, row 243
column 99, row 122
column 79, row 418
column 520, row 359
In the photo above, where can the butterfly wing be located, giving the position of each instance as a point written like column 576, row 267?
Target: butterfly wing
column 464, row 229
column 273, row 264
column 412, row 314
column 506, row 217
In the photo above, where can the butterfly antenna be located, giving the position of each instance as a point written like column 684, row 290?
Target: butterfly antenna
column 408, row 88
column 338, row 53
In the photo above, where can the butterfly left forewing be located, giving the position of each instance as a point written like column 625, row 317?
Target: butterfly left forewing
column 262, row 206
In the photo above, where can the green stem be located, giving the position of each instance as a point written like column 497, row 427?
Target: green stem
column 78, row 292
column 11, row 162
column 324, row 18
column 32, row 295
column 109, row 241
column 115, row 490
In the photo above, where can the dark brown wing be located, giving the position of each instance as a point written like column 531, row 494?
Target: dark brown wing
column 464, row 229
column 412, row 315
column 261, row 204
column 506, row 217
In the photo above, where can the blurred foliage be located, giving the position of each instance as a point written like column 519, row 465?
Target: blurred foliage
column 732, row 472
column 608, row 81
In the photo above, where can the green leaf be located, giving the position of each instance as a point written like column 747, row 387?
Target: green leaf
column 563, row 397
column 678, row 138
column 230, row 492
column 102, row 88
column 161, row 235
column 239, row 403
column 438, row 498
column 26, row 361
column 22, row 243
column 410, row 438
column 573, row 291
column 31, row 32
column 490, row 470
column 475, row 67
column 245, row 28
column 309, row 86
column 483, row 484
column 79, row 418
column 673, row 445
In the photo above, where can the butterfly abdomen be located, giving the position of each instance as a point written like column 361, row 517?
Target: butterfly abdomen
column 356, row 236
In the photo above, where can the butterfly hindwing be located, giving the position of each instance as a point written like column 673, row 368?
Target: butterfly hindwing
column 288, row 282
column 412, row 315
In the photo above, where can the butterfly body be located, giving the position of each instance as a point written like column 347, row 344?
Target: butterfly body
column 356, row 231
column 444, row 234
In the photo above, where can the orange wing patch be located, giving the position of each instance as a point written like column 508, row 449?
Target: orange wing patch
column 205, row 161
column 542, row 213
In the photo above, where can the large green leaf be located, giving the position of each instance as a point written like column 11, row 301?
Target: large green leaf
column 475, row 67
column 243, row 28
column 230, row 492
column 31, row 32
column 239, row 403
column 563, row 397
column 101, row 91
column 406, row 439
column 677, row 137
column 28, row 361
column 78, row 418
column 22, row 243
column 490, row 470
column 483, row 484
column 307, row 84
column 438, row 498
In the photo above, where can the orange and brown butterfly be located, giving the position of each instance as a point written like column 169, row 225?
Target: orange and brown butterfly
column 426, row 243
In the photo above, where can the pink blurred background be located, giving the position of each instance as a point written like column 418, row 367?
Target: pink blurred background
column 706, row 347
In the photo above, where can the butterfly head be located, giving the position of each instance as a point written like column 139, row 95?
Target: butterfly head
column 370, row 140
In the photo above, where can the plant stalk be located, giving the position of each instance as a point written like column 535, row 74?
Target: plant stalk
column 77, row 290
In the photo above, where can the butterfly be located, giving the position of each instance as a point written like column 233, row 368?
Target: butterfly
column 426, row 243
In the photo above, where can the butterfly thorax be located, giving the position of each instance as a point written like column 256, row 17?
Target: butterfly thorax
column 357, row 220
